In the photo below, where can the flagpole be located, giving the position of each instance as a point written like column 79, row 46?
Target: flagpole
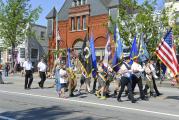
column 56, row 34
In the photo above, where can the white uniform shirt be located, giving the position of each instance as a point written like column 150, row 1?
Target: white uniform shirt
column 148, row 72
column 42, row 67
column 137, row 67
column 27, row 65
column 153, row 71
column 124, row 68
column 62, row 74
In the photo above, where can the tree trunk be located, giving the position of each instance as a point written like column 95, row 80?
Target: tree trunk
column 12, row 56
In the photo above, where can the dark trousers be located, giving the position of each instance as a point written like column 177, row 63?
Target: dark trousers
column 43, row 78
column 6, row 72
column 126, row 82
column 94, row 83
column 136, row 80
column 28, row 79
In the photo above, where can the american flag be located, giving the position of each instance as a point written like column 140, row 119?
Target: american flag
column 166, row 53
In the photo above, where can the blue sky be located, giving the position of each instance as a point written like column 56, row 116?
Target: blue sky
column 47, row 5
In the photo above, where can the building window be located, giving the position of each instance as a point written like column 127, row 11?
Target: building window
column 50, row 28
column 72, row 24
column 84, row 22
column 34, row 53
column 22, row 52
column 78, row 2
column 78, row 23
column 74, row 3
column 42, row 35
column 84, row 2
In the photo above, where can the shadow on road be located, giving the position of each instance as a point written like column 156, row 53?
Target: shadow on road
column 8, row 83
column 172, row 97
column 50, row 113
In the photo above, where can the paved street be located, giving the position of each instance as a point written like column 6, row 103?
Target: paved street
column 43, row 104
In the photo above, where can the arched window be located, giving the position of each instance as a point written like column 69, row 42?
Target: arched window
column 77, row 45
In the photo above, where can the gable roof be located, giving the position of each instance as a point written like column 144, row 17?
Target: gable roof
column 97, row 7
column 52, row 13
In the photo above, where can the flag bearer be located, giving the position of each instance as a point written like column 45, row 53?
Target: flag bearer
column 125, row 72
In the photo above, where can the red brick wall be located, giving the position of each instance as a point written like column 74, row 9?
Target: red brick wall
column 97, row 24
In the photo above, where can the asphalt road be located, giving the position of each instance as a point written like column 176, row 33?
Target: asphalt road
column 44, row 104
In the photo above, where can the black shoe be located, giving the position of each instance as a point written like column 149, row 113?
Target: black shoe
column 152, row 95
column 119, row 100
column 71, row 95
column 40, row 85
column 133, row 101
column 158, row 94
column 145, row 99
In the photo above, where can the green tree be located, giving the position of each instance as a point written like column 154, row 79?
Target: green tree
column 15, row 15
column 134, row 19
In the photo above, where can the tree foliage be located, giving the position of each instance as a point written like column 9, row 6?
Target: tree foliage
column 15, row 15
column 135, row 19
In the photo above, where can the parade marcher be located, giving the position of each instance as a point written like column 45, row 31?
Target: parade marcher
column 110, row 78
column 149, row 82
column 42, row 69
column 125, row 72
column 154, row 77
column 1, row 80
column 63, row 81
column 102, row 78
column 55, row 70
column 72, row 81
column 137, row 77
column 28, row 70
column 85, row 80
column 7, row 68
column 117, row 83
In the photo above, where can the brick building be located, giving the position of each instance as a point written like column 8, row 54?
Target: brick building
column 77, row 18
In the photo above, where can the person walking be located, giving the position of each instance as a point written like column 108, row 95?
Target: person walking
column 42, row 69
column 72, row 81
column 149, row 82
column 55, row 70
column 28, row 73
column 1, row 80
column 63, row 81
column 7, row 68
column 102, row 78
column 125, row 72
column 137, row 77
column 154, row 77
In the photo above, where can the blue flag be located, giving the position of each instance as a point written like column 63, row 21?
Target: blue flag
column 143, row 53
column 69, row 65
column 134, row 50
column 93, row 55
column 119, row 49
